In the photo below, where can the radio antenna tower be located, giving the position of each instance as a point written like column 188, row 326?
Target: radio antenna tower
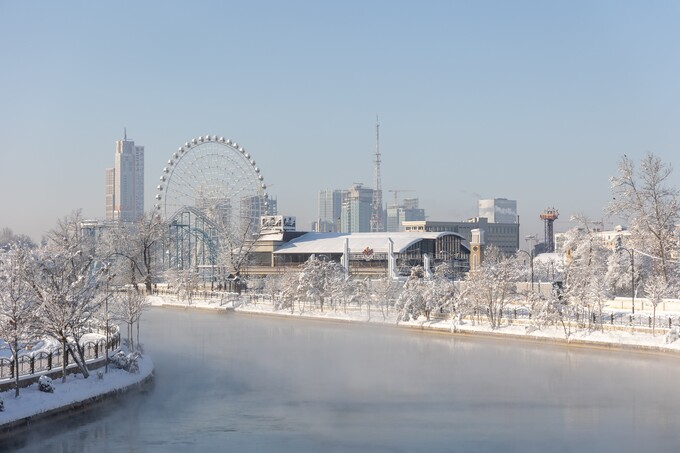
column 376, row 211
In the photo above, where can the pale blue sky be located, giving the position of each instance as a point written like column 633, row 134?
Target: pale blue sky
column 530, row 100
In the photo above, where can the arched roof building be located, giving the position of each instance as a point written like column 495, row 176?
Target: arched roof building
column 368, row 252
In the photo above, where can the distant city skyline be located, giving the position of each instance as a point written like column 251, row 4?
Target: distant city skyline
column 534, row 102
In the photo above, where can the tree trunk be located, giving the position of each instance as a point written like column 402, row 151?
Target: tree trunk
column 368, row 308
column 64, row 357
column 147, row 264
column 79, row 359
column 15, row 353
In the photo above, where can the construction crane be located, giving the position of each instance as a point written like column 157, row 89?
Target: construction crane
column 396, row 193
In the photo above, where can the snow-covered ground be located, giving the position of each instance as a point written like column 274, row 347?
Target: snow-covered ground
column 619, row 336
column 76, row 389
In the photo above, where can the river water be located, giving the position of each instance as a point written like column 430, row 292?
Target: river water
column 234, row 382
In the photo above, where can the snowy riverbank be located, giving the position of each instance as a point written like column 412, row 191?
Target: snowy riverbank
column 76, row 393
column 614, row 337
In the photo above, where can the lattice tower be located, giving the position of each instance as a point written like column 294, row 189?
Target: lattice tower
column 376, row 205
column 549, row 216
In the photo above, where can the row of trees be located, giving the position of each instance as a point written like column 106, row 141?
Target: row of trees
column 590, row 273
column 593, row 275
column 59, row 290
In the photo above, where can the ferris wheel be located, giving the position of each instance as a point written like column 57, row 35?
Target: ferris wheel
column 216, row 177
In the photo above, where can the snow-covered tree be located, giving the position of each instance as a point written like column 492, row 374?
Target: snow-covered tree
column 585, row 286
column 548, row 267
column 337, row 285
column 70, row 291
column 318, row 280
column 7, row 237
column 492, row 286
column 620, row 276
column 359, row 293
column 598, row 292
column 235, row 244
column 69, row 284
column 311, row 281
column 384, row 291
column 272, row 286
column 553, row 309
column 656, row 289
column 442, row 295
column 184, row 282
column 288, row 292
column 645, row 198
column 17, row 304
column 128, row 306
column 439, row 290
column 135, row 247
column 411, row 302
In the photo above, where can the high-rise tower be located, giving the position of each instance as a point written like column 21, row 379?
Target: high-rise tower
column 356, row 212
column 376, row 205
column 125, row 182
column 330, row 208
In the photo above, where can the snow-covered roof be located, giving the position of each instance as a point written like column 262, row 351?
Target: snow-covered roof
column 335, row 242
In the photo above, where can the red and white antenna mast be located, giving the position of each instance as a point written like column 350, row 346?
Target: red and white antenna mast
column 376, row 211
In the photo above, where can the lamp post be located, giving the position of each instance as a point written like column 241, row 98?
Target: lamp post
column 531, row 261
column 109, row 277
column 631, row 252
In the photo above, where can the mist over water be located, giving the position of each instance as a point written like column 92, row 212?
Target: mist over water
column 233, row 382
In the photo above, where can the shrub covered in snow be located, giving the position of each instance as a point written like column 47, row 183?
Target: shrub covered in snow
column 2, row 405
column 45, row 384
column 673, row 335
column 127, row 362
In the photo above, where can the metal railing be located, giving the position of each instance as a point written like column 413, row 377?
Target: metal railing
column 34, row 363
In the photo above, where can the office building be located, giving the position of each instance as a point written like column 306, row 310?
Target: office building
column 125, row 183
column 406, row 212
column 505, row 236
column 357, row 209
column 330, row 208
column 498, row 210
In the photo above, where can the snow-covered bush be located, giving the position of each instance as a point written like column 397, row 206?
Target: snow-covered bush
column 133, row 362
column 45, row 384
column 127, row 362
column 119, row 360
column 2, row 405
column 673, row 335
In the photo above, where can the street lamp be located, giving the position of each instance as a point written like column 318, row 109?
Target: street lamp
column 631, row 252
column 109, row 278
column 531, row 260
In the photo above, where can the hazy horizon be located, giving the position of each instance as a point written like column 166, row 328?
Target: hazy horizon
column 529, row 101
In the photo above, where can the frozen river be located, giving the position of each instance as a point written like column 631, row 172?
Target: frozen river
column 232, row 382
